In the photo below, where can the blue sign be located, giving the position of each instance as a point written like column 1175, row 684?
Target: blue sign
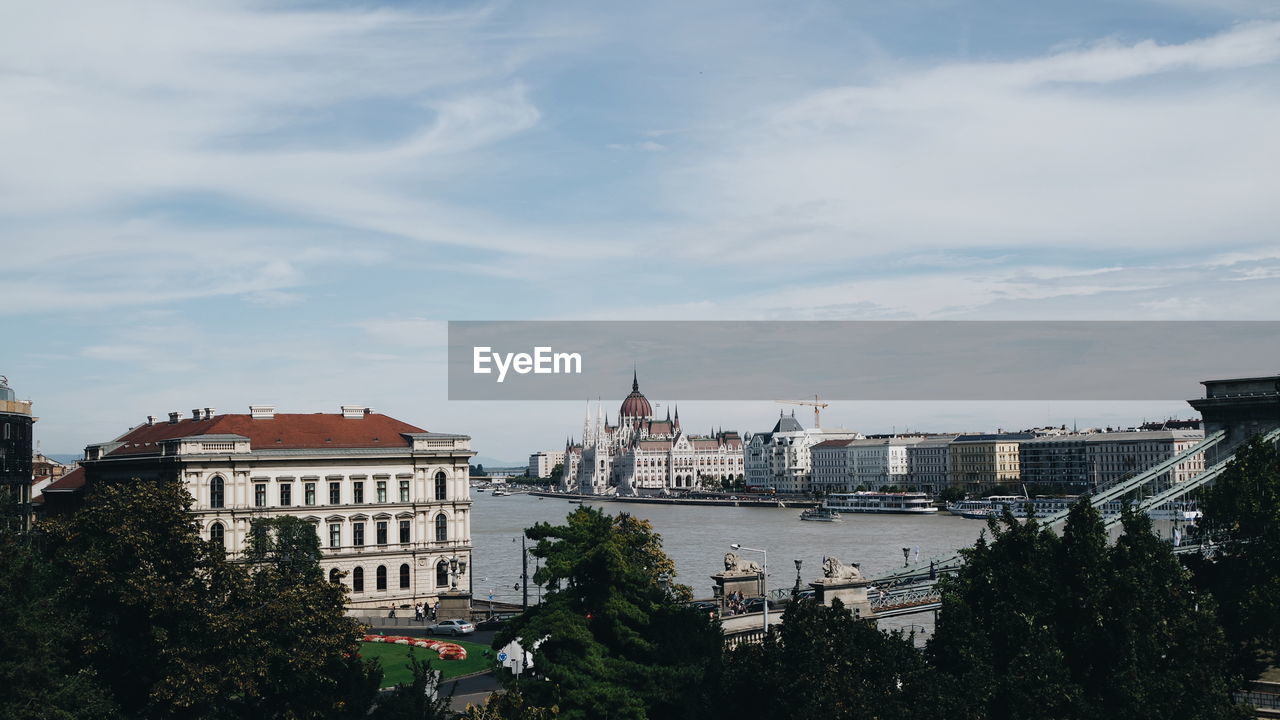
column 502, row 657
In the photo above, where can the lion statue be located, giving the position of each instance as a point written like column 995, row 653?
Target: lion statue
column 735, row 564
column 833, row 569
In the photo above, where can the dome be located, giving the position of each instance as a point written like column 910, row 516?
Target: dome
column 635, row 405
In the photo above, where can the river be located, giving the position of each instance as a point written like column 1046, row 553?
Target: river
column 697, row 537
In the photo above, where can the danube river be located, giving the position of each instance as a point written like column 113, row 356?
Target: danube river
column 697, row 537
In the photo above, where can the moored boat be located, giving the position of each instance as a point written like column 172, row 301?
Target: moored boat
column 909, row 503
column 820, row 514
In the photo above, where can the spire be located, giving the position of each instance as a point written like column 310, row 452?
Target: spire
column 635, row 380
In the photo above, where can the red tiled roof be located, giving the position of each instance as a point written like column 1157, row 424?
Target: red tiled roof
column 317, row 430
column 73, row 480
column 833, row 443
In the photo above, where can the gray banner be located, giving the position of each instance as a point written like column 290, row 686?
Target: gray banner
column 854, row 360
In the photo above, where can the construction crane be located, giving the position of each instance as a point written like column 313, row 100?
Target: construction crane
column 817, row 408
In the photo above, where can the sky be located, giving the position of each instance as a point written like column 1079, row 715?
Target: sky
column 217, row 204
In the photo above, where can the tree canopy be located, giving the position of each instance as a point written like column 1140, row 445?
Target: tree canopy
column 1041, row 626
column 618, row 641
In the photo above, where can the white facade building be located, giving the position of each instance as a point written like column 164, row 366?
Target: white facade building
column 389, row 501
column 782, row 459
column 927, row 463
column 644, row 456
column 543, row 462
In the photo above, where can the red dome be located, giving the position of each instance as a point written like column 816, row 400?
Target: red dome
column 636, row 405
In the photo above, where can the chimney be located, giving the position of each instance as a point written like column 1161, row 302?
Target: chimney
column 197, row 414
column 262, row 412
column 353, row 411
column 151, row 419
column 175, row 416
column 208, row 413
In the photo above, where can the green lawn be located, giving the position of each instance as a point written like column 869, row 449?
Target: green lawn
column 395, row 660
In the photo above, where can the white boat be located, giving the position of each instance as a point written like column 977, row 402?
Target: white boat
column 982, row 508
column 908, row 503
column 820, row 514
column 500, row 493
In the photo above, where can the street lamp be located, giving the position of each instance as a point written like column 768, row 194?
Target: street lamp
column 764, row 581
column 796, row 592
column 456, row 568
column 906, row 557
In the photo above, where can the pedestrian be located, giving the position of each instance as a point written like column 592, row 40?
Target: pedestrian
column 417, row 612
column 392, row 613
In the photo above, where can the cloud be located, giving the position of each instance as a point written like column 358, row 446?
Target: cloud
column 1140, row 146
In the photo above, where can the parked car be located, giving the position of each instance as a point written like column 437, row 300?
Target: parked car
column 705, row 605
column 451, row 627
column 492, row 623
column 756, row 604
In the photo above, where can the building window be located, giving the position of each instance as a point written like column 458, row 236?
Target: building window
column 404, row 576
column 442, row 574
column 335, row 576
column 309, row 493
column 217, row 492
column 260, row 495
column 382, row 491
column 404, row 491
column 286, row 495
column 357, row 534
column 335, row 535
column 442, row 527
column 382, row 532
column 216, row 534
column 404, row 531
column 380, row 577
column 357, row 580
column 335, row 493
column 357, row 492
column 442, row 486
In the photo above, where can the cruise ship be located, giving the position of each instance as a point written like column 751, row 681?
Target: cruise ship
column 881, row 502
column 982, row 508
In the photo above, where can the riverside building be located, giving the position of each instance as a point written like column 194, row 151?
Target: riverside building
column 782, row 459
column 642, row 455
column 16, row 423
column 388, row 500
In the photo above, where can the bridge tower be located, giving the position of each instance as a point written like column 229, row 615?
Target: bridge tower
column 1241, row 407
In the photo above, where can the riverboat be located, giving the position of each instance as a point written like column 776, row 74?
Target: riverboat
column 907, row 503
column 820, row 515
column 500, row 493
column 982, row 508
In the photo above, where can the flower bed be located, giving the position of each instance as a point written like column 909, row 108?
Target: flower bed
column 446, row 650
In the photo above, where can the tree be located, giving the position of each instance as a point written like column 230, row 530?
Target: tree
column 153, row 596
column 618, row 641
column 170, row 629
column 1242, row 515
column 298, row 656
column 951, row 493
column 1037, row 626
column 478, row 471
column 420, row 699
column 38, row 666
column 823, row 663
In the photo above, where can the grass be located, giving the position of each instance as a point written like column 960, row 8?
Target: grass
column 395, row 660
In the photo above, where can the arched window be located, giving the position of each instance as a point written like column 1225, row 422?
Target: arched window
column 442, row 485
column 404, row 575
column 217, row 498
column 357, row 580
column 442, row 574
column 381, row 577
column 335, row 576
column 442, row 528
column 215, row 533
